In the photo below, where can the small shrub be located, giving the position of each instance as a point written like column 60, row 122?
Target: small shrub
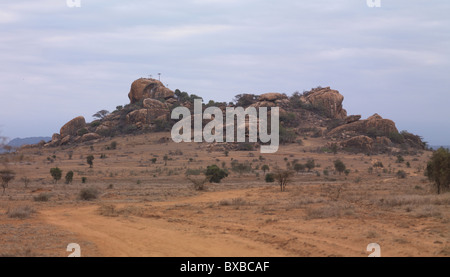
column 339, row 166
column 215, row 174
column 56, row 174
column 82, row 132
column 245, row 146
column 6, row 176
column 88, row 194
column 21, row 212
column 299, row 167
column 270, row 178
column 113, row 145
column 83, row 180
column 400, row 159
column 69, row 177
column 310, row 164
column 90, row 160
column 43, row 197
column 401, row 174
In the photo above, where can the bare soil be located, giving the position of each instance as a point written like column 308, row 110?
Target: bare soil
column 151, row 209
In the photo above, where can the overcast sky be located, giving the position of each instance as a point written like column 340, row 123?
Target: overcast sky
column 57, row 62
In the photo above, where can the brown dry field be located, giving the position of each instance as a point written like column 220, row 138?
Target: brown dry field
column 152, row 210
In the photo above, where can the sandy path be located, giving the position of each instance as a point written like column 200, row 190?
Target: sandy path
column 154, row 237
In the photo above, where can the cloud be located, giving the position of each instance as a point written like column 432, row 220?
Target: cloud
column 60, row 62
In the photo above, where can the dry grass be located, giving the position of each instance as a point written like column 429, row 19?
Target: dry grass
column 20, row 212
column 334, row 207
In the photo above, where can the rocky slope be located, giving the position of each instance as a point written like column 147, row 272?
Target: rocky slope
column 316, row 113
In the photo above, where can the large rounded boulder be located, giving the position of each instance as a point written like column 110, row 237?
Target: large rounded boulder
column 148, row 88
column 71, row 128
column 327, row 101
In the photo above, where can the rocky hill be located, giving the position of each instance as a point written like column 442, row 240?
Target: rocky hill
column 315, row 113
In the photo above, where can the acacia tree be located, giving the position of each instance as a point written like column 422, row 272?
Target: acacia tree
column 69, row 177
column 339, row 166
column 283, row 177
column 6, row 176
column 101, row 114
column 90, row 160
column 438, row 169
column 215, row 174
column 56, row 174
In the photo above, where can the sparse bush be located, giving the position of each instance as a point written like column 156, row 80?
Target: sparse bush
column 90, row 160
column 42, row 197
column 95, row 123
column 287, row 135
column 310, row 164
column 339, row 166
column 21, row 212
column 378, row 164
column 240, row 167
column 245, row 146
column 283, row 177
column 88, row 194
column 56, row 174
column 162, row 125
column 270, row 178
column 69, row 177
column 215, row 174
column 400, row 159
column 113, row 145
column 438, row 169
column 6, row 176
column 299, row 167
column 401, row 174
column 191, row 171
column 396, row 137
column 82, row 132
column 265, row 168
column 199, row 184
column 83, row 180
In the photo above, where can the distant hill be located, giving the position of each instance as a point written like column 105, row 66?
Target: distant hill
column 17, row 142
column 435, row 147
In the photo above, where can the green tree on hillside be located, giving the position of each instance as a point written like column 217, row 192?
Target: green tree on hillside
column 438, row 169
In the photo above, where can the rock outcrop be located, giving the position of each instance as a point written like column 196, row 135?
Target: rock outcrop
column 71, row 128
column 153, row 110
column 148, row 88
column 374, row 125
column 316, row 113
column 272, row 96
column 156, row 109
column 363, row 143
column 90, row 136
column 328, row 101
column 352, row 118
column 272, row 99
